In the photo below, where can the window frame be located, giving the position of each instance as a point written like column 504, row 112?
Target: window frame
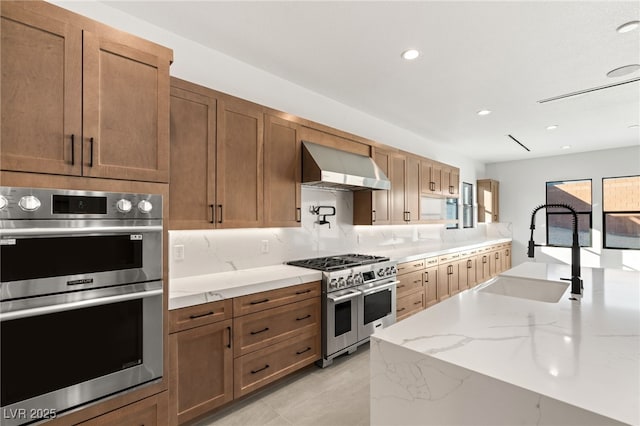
column 605, row 213
column 455, row 225
column 468, row 205
column 588, row 214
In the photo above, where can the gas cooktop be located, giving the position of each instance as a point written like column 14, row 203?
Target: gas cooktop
column 339, row 262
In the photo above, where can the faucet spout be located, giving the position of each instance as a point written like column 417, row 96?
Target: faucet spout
column 576, row 281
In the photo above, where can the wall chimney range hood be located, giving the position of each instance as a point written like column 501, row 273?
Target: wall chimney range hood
column 330, row 168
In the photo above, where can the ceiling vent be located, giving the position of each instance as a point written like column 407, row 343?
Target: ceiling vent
column 519, row 143
column 593, row 89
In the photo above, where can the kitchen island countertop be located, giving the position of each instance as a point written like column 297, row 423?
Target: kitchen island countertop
column 483, row 358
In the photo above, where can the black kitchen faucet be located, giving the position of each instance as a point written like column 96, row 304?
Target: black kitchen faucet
column 576, row 281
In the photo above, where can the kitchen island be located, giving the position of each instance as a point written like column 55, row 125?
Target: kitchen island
column 486, row 358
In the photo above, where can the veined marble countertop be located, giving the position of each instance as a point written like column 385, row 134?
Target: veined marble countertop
column 199, row 289
column 584, row 354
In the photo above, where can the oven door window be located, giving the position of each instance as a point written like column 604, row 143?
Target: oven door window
column 342, row 314
column 377, row 305
column 45, row 353
column 63, row 256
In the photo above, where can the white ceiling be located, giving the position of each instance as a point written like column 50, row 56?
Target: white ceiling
column 502, row 56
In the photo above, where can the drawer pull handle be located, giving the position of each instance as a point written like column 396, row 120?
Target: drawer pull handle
column 73, row 150
column 303, row 291
column 213, row 213
column 303, row 351
column 419, row 302
column 260, row 369
column 260, row 331
column 400, row 310
column 417, row 281
column 400, row 286
column 206, row 314
column 229, row 331
column 304, row 317
column 417, row 265
column 257, row 302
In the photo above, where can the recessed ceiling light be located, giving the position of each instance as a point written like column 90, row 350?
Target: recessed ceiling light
column 627, row 69
column 410, row 54
column 628, row 26
column 552, row 127
column 566, row 146
column 484, row 112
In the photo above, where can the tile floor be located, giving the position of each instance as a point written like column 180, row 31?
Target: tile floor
column 334, row 396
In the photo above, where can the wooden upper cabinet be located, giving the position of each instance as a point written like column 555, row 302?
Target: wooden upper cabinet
column 431, row 177
column 239, row 178
column 450, row 181
column 41, row 93
column 79, row 102
column 374, row 207
column 193, row 138
column 413, row 189
column 488, row 200
column 125, row 111
column 282, row 170
column 398, row 179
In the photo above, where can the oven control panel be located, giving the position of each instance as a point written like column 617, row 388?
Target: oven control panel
column 39, row 203
column 359, row 275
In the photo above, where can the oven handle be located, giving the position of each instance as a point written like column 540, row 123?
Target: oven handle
column 378, row 288
column 84, row 230
column 343, row 297
column 42, row 310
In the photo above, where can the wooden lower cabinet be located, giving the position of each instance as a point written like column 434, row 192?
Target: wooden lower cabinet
column 470, row 270
column 150, row 411
column 506, row 256
column 410, row 304
column 259, row 368
column 430, row 278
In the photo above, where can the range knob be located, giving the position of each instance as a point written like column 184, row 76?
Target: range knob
column 387, row 271
column 29, row 203
column 332, row 283
column 350, row 280
column 145, row 206
column 123, row 206
column 380, row 272
column 358, row 279
column 341, row 282
column 3, row 202
column 393, row 270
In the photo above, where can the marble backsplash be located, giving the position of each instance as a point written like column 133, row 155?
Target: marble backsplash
column 221, row 250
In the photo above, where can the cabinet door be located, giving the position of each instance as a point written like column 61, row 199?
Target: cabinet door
column 463, row 274
column 382, row 199
column 125, row 111
column 41, row 93
column 282, row 166
column 495, row 191
column 398, row 189
column 201, row 370
column 495, row 262
column 193, row 137
column 445, row 272
column 488, row 201
column 506, row 257
column 239, row 191
column 453, row 185
column 431, row 179
column 430, row 278
column 470, row 265
column 482, row 267
column 413, row 189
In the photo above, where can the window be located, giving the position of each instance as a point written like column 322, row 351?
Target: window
column 577, row 194
column 467, row 205
column 621, row 212
column 452, row 213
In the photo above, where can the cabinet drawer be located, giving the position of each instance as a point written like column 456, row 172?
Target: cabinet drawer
column 409, row 305
column 407, row 267
column 151, row 411
column 410, row 283
column 448, row 258
column 261, row 329
column 254, row 370
column 270, row 299
column 431, row 261
column 197, row 315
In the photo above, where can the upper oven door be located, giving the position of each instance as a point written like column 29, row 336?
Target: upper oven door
column 39, row 261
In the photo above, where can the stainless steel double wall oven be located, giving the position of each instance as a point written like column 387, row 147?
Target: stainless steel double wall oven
column 80, row 298
column 359, row 296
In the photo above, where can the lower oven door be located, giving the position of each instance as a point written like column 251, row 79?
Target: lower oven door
column 59, row 352
column 378, row 307
column 341, row 320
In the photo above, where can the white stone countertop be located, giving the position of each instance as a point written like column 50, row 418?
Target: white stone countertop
column 198, row 289
column 584, row 353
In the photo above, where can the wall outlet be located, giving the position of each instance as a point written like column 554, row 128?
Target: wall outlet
column 264, row 246
column 178, row 252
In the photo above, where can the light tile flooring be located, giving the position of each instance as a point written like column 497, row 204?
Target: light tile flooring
column 334, row 396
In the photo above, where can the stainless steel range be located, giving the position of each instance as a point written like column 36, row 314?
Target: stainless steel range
column 359, row 296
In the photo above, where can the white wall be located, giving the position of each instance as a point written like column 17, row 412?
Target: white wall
column 210, row 68
column 522, row 188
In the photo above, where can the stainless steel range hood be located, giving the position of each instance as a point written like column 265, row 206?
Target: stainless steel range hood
column 331, row 168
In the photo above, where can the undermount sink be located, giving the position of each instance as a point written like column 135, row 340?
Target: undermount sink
column 524, row 288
